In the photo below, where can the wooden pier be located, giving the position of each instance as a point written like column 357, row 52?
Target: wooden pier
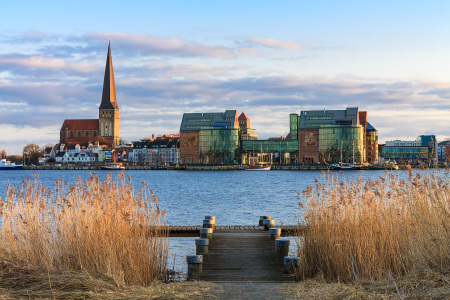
column 238, row 253
column 243, row 256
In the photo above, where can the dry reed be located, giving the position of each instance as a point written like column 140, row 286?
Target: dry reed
column 372, row 229
column 97, row 227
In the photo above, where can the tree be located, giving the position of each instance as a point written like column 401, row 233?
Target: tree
column 3, row 154
column 31, row 153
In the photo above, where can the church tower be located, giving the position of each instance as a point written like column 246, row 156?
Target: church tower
column 108, row 117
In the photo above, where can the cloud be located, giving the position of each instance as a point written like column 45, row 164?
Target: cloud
column 160, row 78
column 42, row 62
column 158, row 45
column 274, row 43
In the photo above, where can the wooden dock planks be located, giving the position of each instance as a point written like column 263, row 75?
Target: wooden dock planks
column 243, row 255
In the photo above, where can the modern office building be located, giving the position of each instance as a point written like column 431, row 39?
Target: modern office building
column 210, row 138
column 333, row 136
column 423, row 149
column 282, row 151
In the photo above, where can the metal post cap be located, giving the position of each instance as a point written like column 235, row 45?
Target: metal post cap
column 194, row 259
column 282, row 243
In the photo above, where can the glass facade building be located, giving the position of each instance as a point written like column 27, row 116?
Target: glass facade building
column 219, row 146
column 264, row 150
column 334, row 136
column 409, row 153
column 341, row 144
column 293, row 126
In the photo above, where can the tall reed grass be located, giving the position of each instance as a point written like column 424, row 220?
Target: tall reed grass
column 375, row 228
column 97, row 227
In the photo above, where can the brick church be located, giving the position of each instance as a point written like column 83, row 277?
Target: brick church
column 105, row 129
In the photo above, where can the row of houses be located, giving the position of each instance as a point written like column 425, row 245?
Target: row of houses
column 163, row 150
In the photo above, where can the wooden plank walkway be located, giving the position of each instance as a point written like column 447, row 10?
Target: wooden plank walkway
column 242, row 255
column 218, row 229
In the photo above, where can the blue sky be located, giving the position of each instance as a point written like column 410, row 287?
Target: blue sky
column 266, row 58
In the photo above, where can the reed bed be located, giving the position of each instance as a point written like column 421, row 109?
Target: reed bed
column 98, row 228
column 373, row 229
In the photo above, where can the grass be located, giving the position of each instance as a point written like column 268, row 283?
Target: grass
column 375, row 230
column 93, row 227
column 19, row 283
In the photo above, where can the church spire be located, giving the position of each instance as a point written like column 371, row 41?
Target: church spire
column 109, row 89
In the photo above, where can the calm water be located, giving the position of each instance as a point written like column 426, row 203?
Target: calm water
column 234, row 197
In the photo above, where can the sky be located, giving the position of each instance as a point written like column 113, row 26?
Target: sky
column 265, row 58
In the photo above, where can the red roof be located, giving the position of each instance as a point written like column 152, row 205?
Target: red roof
column 243, row 117
column 81, row 124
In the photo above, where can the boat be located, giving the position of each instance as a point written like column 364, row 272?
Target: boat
column 7, row 165
column 343, row 166
column 113, row 167
column 258, row 167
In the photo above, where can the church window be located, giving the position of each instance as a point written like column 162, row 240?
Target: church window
column 102, row 130
column 87, row 133
column 110, row 129
column 71, row 134
column 95, row 133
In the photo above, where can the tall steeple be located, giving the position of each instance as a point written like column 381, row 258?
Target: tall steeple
column 108, row 112
column 109, row 88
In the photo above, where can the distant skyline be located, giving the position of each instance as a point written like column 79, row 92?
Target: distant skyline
column 268, row 59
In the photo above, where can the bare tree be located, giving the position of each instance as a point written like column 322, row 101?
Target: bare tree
column 31, row 153
column 3, row 154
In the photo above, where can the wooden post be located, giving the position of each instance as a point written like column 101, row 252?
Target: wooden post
column 209, row 223
column 268, row 223
column 282, row 247
column 206, row 233
column 290, row 264
column 262, row 218
column 201, row 246
column 195, row 263
column 274, row 233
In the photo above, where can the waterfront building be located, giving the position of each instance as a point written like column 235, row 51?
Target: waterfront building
column 210, row 138
column 422, row 149
column 105, row 129
column 163, row 151
column 283, row 151
column 441, row 152
column 333, row 136
column 245, row 132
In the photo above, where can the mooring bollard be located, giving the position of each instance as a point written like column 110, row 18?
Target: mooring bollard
column 209, row 223
column 268, row 223
column 282, row 247
column 206, row 233
column 195, row 263
column 290, row 264
column 201, row 246
column 274, row 233
column 210, row 218
column 262, row 218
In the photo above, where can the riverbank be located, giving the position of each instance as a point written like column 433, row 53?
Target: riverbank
column 205, row 167
column 19, row 282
